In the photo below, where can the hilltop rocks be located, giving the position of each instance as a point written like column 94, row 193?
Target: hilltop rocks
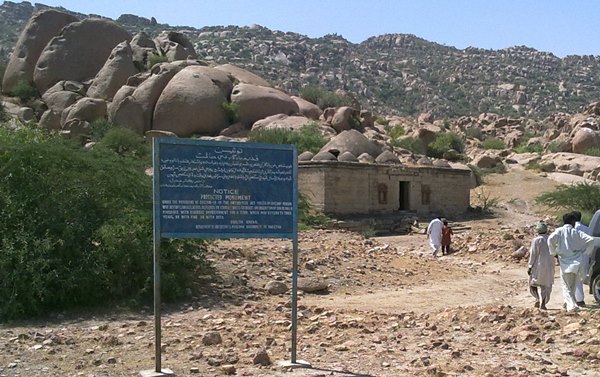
column 259, row 102
column 34, row 37
column 175, row 46
column 191, row 103
column 352, row 141
column 78, row 52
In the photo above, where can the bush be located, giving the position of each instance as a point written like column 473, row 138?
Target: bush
column 99, row 128
column 443, row 142
column 397, row 131
column 492, row 143
column 24, row 90
column 232, row 111
column 554, row 147
column 593, row 152
column 412, row 144
column 307, row 138
column 309, row 218
column 124, row 142
column 584, row 197
column 531, row 148
column 474, row 133
column 324, row 98
column 382, row 121
column 154, row 59
column 76, row 229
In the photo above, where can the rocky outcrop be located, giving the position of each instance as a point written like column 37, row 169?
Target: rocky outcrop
column 34, row 37
column 114, row 74
column 281, row 121
column 191, row 103
column 584, row 140
column 78, row 52
column 307, row 109
column 175, row 46
column 259, row 102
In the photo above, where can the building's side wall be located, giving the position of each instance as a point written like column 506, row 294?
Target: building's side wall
column 362, row 189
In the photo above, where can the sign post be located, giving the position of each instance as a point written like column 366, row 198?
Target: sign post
column 210, row 189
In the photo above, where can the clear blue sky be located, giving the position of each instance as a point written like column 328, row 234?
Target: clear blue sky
column 563, row 27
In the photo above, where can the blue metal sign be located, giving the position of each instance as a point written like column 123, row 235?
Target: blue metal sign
column 211, row 189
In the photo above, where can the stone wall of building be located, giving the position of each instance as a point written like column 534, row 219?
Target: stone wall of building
column 353, row 188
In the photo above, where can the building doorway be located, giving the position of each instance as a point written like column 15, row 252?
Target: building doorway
column 404, row 196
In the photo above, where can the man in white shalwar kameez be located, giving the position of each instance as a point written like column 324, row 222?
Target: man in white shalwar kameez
column 434, row 233
column 540, row 267
column 569, row 245
column 585, row 261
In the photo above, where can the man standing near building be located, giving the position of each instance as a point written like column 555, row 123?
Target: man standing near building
column 570, row 245
column 585, row 260
column 434, row 233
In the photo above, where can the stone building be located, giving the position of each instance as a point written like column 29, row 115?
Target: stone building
column 346, row 188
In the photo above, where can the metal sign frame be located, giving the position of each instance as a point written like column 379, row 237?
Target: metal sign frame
column 206, row 165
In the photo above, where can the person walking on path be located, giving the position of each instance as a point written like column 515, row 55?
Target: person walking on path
column 540, row 267
column 569, row 245
column 585, row 261
column 434, row 233
column 446, row 238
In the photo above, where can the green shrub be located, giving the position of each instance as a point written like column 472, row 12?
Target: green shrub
column 443, row 142
column 154, row 59
column 474, row 133
column 412, row 144
column 554, row 147
column 307, row 138
column 232, row 111
column 24, row 90
column 584, row 197
column 397, row 131
column 529, row 148
column 76, row 229
column 492, row 143
column 124, row 142
column 537, row 166
column 382, row 121
column 309, row 218
column 593, row 152
column 99, row 128
column 324, row 98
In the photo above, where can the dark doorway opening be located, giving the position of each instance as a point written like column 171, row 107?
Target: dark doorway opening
column 404, row 196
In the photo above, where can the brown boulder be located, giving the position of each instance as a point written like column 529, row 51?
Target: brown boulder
column 308, row 109
column 259, row 102
column 175, row 46
column 243, row 76
column 114, row 74
column 78, row 52
column 191, row 104
column 281, row 121
column 40, row 28
column 86, row 109
column 427, row 132
column 343, row 118
column 584, row 140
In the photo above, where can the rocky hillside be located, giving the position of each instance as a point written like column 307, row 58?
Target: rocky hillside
column 390, row 74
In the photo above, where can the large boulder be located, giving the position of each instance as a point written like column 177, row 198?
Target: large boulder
column 585, row 139
column 78, row 52
column 259, row 102
column 427, row 132
column 40, row 28
column 243, row 76
column 141, row 46
column 62, row 95
column 86, row 109
column 571, row 163
column 191, row 104
column 114, row 74
column 175, row 46
column 135, row 111
column 351, row 141
column 307, row 109
column 487, row 161
column 281, row 121
column 343, row 118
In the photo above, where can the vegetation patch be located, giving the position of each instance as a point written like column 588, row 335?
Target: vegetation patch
column 529, row 148
column 444, row 142
column 24, row 90
column 324, row 98
column 76, row 229
column 307, row 138
column 492, row 143
column 232, row 111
